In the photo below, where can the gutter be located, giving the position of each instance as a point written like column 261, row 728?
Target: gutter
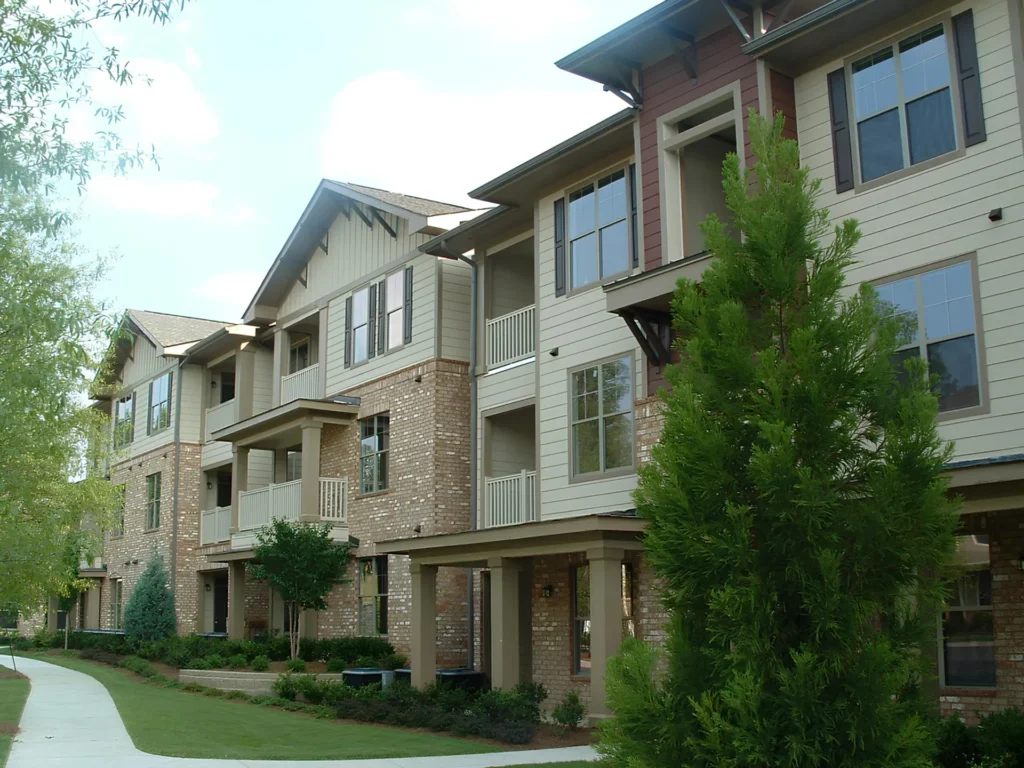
column 800, row 25
column 177, row 479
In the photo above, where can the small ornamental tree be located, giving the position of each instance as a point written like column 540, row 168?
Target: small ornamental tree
column 149, row 614
column 301, row 563
column 798, row 520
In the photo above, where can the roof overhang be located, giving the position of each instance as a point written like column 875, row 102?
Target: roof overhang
column 519, row 187
column 92, row 573
column 476, row 548
column 281, row 427
column 495, row 225
column 654, row 289
column 220, row 343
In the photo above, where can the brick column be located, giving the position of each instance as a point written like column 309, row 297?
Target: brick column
column 605, row 620
column 424, row 624
column 239, row 480
column 236, row 600
column 310, row 507
column 505, row 617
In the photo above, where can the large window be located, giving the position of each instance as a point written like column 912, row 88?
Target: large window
column 941, row 324
column 160, row 403
column 394, row 323
column 124, row 421
column 968, row 648
column 298, row 356
column 599, row 230
column 373, row 454
column 581, row 620
column 152, row 501
column 602, row 417
column 373, row 596
column 361, row 325
column 903, row 103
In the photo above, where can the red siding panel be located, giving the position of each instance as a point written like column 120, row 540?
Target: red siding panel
column 784, row 100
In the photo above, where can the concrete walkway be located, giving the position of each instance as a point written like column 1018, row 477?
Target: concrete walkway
column 70, row 720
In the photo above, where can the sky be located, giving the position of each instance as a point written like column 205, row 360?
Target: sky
column 250, row 103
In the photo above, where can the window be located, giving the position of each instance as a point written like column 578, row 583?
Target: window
column 160, row 403
column 227, row 386
column 598, row 230
column 361, row 325
column 124, row 421
column 298, row 356
column 373, row 596
column 8, row 618
column 152, row 501
column 941, row 324
column 581, row 620
column 968, row 648
column 394, row 322
column 223, row 489
column 903, row 104
column 373, row 454
column 122, row 502
column 602, row 417
column 293, row 466
column 116, row 588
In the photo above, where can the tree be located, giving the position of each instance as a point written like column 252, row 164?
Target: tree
column 149, row 614
column 798, row 520
column 68, row 584
column 301, row 563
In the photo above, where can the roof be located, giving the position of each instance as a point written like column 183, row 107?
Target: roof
column 171, row 330
column 420, row 205
column 502, row 220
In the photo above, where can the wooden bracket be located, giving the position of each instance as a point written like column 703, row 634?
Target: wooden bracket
column 383, row 222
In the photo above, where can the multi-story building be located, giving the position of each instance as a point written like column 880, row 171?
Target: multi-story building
column 910, row 112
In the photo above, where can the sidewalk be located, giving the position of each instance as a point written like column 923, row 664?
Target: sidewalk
column 71, row 721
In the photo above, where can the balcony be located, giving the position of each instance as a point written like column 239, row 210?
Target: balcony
column 283, row 501
column 220, row 416
column 301, row 385
column 509, row 338
column 215, row 525
column 510, row 500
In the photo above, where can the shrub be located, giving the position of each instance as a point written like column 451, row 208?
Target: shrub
column 139, row 666
column 238, row 661
column 148, row 650
column 177, row 684
column 262, row 700
column 200, row 664
column 216, row 693
column 216, row 661
column 97, row 654
column 261, row 663
column 285, row 687
column 149, row 613
column 336, row 665
column 241, row 695
column 957, row 744
column 21, row 643
column 1002, row 733
column 193, row 687
column 570, row 711
column 393, row 661
column 296, row 665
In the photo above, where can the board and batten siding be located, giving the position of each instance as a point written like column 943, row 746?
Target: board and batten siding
column 584, row 332
column 942, row 213
column 420, row 349
column 456, row 279
column 353, row 250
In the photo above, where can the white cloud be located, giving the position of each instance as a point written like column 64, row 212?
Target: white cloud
column 232, row 290
column 370, row 139
column 167, row 199
column 193, row 59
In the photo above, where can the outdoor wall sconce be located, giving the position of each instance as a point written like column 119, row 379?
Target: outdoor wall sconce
column 554, row 352
column 209, row 485
column 417, row 528
column 418, row 379
column 209, row 588
column 213, row 383
column 547, row 590
column 996, row 214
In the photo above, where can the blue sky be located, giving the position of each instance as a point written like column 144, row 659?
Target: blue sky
column 251, row 103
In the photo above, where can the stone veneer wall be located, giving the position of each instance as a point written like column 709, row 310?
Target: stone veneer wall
column 428, row 466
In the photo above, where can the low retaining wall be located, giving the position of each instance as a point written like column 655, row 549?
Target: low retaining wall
column 253, row 683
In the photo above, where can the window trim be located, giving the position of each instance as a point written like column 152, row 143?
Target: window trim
column 386, row 452
column 588, row 477
column 386, row 330
column 374, row 286
column 892, row 42
column 153, row 502
column 971, row 258
column 602, row 280
column 371, row 286
column 130, row 421
column 941, row 653
column 150, row 430
column 374, row 560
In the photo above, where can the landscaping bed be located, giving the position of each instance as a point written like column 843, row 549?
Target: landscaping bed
column 14, row 688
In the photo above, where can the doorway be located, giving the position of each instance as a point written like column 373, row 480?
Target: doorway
column 220, row 602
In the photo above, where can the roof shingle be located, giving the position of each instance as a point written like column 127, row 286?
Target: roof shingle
column 418, row 205
column 172, row 330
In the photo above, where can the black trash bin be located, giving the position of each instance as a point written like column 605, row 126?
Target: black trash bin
column 462, row 677
column 361, row 676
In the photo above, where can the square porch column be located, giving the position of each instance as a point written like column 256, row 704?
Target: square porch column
column 309, row 511
column 424, row 624
column 236, row 600
column 239, row 481
column 282, row 345
column 245, row 377
column 506, row 654
column 605, row 620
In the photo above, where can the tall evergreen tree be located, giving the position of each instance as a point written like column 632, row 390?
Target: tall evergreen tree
column 797, row 514
column 149, row 614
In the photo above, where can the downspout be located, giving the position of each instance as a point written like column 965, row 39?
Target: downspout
column 177, row 477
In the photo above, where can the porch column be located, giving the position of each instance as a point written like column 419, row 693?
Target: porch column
column 239, row 480
column 605, row 620
column 310, row 509
column 280, row 466
column 505, row 647
column 245, row 376
column 281, row 350
column 236, row 600
column 321, row 354
column 424, row 624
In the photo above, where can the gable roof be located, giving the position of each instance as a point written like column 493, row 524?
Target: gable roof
column 167, row 330
column 420, row 205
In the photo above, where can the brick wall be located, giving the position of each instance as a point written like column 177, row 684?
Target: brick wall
column 650, row 419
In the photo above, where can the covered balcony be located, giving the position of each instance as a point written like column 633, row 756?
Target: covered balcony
column 509, row 305
column 510, row 479
column 283, row 501
column 297, row 353
column 215, row 526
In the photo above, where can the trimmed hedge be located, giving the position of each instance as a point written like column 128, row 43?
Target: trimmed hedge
column 997, row 741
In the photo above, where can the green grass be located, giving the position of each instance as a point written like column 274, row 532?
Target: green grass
column 577, row 764
column 13, row 693
column 157, row 717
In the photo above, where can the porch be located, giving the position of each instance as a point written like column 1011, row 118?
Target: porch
column 510, row 467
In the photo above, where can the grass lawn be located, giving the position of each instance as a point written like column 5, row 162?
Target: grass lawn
column 578, row 764
column 157, row 717
column 13, row 692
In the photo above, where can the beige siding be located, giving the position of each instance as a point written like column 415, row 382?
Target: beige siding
column 498, row 390
column 456, row 282
column 510, row 284
column 584, row 332
column 422, row 347
column 263, row 385
column 145, row 361
column 354, row 250
column 942, row 213
column 512, row 444
column 192, row 404
column 261, row 468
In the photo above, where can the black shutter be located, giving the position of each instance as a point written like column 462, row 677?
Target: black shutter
column 632, row 213
column 348, row 332
column 382, row 316
column 842, row 148
column 371, row 323
column 969, row 77
column 560, row 247
column 407, row 331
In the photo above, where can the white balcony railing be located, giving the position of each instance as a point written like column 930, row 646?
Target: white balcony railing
column 220, row 416
column 510, row 337
column 216, row 525
column 283, row 501
column 303, row 384
column 510, row 500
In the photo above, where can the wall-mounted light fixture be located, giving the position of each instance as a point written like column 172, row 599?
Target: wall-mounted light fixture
column 554, row 352
column 209, row 485
column 996, row 214
column 213, row 383
column 547, row 590
column 418, row 379
column 209, row 588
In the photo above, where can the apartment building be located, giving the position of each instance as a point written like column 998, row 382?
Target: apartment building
column 910, row 112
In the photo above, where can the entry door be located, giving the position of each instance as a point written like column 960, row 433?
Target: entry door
column 220, row 603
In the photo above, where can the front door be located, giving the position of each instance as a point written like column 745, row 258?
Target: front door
column 220, row 602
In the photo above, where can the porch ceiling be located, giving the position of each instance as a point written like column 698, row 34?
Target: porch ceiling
column 281, row 427
column 548, row 537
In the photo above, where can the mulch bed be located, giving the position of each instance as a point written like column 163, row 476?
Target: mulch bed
column 9, row 674
column 8, row 729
